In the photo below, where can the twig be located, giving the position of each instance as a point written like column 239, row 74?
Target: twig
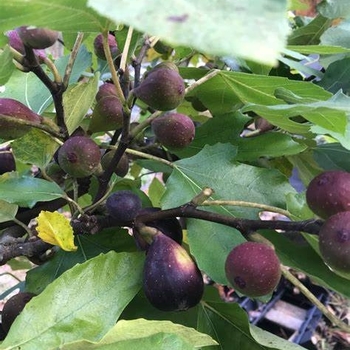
column 126, row 49
column 202, row 80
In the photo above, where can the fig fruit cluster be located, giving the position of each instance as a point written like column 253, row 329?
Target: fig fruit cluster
column 328, row 196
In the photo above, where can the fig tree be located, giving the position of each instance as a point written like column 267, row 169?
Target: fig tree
column 334, row 243
column 253, row 269
column 123, row 205
column 174, row 130
column 122, row 167
column 79, row 156
column 9, row 128
column 98, row 46
column 171, row 279
column 13, row 307
column 7, row 161
column 328, row 193
column 37, row 38
column 163, row 88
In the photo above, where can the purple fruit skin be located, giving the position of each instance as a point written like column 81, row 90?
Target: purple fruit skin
column 171, row 279
column 98, row 46
column 162, row 89
column 106, row 89
column 123, row 165
column 174, row 130
column 7, row 162
column 79, row 156
column 334, row 242
column 253, row 269
column 37, row 38
column 329, row 193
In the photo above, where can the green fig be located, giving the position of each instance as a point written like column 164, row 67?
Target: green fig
column 174, row 130
column 37, row 38
column 253, row 269
column 328, row 193
column 7, row 161
column 163, row 89
column 334, row 243
column 79, row 156
column 171, row 279
column 122, row 167
column 98, row 46
column 9, row 129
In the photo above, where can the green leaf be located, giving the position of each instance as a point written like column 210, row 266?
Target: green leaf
column 62, row 15
column 332, row 156
column 6, row 65
column 318, row 49
column 77, row 100
column 178, row 23
column 35, row 147
column 334, row 9
column 337, row 35
column 128, row 335
column 297, row 206
column 8, row 211
column 26, row 191
column 155, row 191
column 88, row 299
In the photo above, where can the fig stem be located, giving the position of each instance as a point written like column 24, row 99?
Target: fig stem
column 126, row 48
column 202, row 196
column 144, row 124
column 136, row 63
column 291, row 278
column 149, row 156
column 249, row 205
column 202, row 80
column 56, row 75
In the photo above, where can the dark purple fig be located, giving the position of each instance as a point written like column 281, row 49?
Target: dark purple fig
column 13, row 307
column 7, row 161
column 171, row 279
column 122, row 167
column 263, row 125
column 79, row 156
column 253, row 269
column 328, row 193
column 106, row 89
column 9, row 129
column 123, row 205
column 162, row 89
column 174, row 130
column 170, row 227
column 98, row 46
column 37, row 38
column 15, row 41
column 334, row 243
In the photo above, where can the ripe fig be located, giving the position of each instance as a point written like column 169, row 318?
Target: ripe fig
column 98, row 46
column 15, row 41
column 37, row 38
column 328, row 193
column 171, row 279
column 13, row 307
column 253, row 269
column 334, row 243
column 123, row 205
column 7, row 161
column 174, row 130
column 79, row 156
column 170, row 227
column 9, row 129
column 122, row 167
column 106, row 89
column 163, row 89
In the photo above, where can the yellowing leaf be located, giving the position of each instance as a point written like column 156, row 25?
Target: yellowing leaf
column 55, row 229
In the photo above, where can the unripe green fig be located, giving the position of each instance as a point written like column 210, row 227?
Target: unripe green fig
column 123, row 205
column 334, row 243
column 79, row 156
column 174, row 130
column 7, row 161
column 171, row 279
column 98, row 46
column 170, row 227
column 37, row 38
column 253, row 269
column 328, row 193
column 122, row 167
column 13, row 307
column 163, row 89
column 9, row 129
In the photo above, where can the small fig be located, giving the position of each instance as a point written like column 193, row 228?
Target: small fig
column 123, row 205
column 334, row 243
column 15, row 41
column 253, row 269
column 122, row 167
column 328, row 193
column 171, row 279
column 98, row 46
column 106, row 89
column 7, row 161
column 170, row 227
column 37, row 38
column 79, row 156
column 263, row 125
column 162, row 89
column 174, row 130
column 9, row 129
column 13, row 307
